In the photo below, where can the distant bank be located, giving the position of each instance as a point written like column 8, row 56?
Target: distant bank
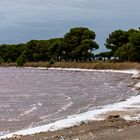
column 84, row 65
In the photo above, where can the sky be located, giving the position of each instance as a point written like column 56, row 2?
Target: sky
column 23, row 20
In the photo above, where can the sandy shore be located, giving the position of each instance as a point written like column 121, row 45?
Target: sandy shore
column 114, row 128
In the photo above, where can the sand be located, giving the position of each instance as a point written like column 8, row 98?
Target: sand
column 114, row 127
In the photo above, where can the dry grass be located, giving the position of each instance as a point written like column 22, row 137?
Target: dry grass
column 88, row 65
column 8, row 64
column 84, row 65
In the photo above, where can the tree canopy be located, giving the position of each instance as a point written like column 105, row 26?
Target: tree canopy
column 124, row 44
column 76, row 45
column 79, row 44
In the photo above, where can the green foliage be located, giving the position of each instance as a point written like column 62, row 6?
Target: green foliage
column 9, row 60
column 76, row 45
column 21, row 60
column 128, row 52
column 1, row 60
column 135, row 38
column 125, row 44
column 52, row 61
column 11, row 52
column 79, row 44
column 116, row 39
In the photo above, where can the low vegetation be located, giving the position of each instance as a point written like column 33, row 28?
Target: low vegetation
column 84, row 65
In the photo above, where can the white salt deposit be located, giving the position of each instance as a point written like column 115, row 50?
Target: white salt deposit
column 133, row 71
column 136, row 75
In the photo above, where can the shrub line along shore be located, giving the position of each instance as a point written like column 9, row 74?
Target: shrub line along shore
column 113, row 128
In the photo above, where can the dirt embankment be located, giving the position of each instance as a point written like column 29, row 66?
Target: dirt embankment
column 114, row 128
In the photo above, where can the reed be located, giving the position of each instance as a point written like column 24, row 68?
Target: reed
column 82, row 65
column 87, row 65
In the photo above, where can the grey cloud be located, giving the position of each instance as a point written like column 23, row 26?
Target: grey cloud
column 42, row 19
column 2, row 16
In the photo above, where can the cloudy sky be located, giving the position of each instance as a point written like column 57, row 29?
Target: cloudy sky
column 23, row 20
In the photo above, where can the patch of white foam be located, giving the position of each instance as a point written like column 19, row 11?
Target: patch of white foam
column 5, row 106
column 132, row 117
column 67, row 106
column 28, row 111
column 32, row 109
column 13, row 120
column 39, row 104
column 77, row 119
column 3, row 133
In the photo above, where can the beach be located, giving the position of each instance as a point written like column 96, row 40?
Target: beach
column 117, row 129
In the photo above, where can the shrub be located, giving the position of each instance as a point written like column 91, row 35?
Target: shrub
column 21, row 60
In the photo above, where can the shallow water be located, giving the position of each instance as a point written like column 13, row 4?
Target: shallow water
column 31, row 97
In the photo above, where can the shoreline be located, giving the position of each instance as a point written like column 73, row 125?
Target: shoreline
column 124, row 109
column 115, row 128
column 98, row 65
column 89, row 116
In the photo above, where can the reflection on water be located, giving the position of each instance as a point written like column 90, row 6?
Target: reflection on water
column 31, row 97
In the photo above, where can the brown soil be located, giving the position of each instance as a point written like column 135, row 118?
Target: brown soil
column 114, row 128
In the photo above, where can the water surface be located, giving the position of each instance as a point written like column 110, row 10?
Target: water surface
column 31, row 97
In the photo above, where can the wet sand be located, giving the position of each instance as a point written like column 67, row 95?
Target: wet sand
column 114, row 128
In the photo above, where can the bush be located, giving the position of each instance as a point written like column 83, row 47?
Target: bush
column 9, row 60
column 21, row 60
column 52, row 61
column 1, row 60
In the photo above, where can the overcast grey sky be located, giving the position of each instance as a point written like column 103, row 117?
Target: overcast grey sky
column 23, row 20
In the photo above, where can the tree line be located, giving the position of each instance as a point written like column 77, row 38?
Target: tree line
column 123, row 45
column 76, row 45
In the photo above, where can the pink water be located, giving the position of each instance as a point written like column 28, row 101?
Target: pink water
column 31, row 97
